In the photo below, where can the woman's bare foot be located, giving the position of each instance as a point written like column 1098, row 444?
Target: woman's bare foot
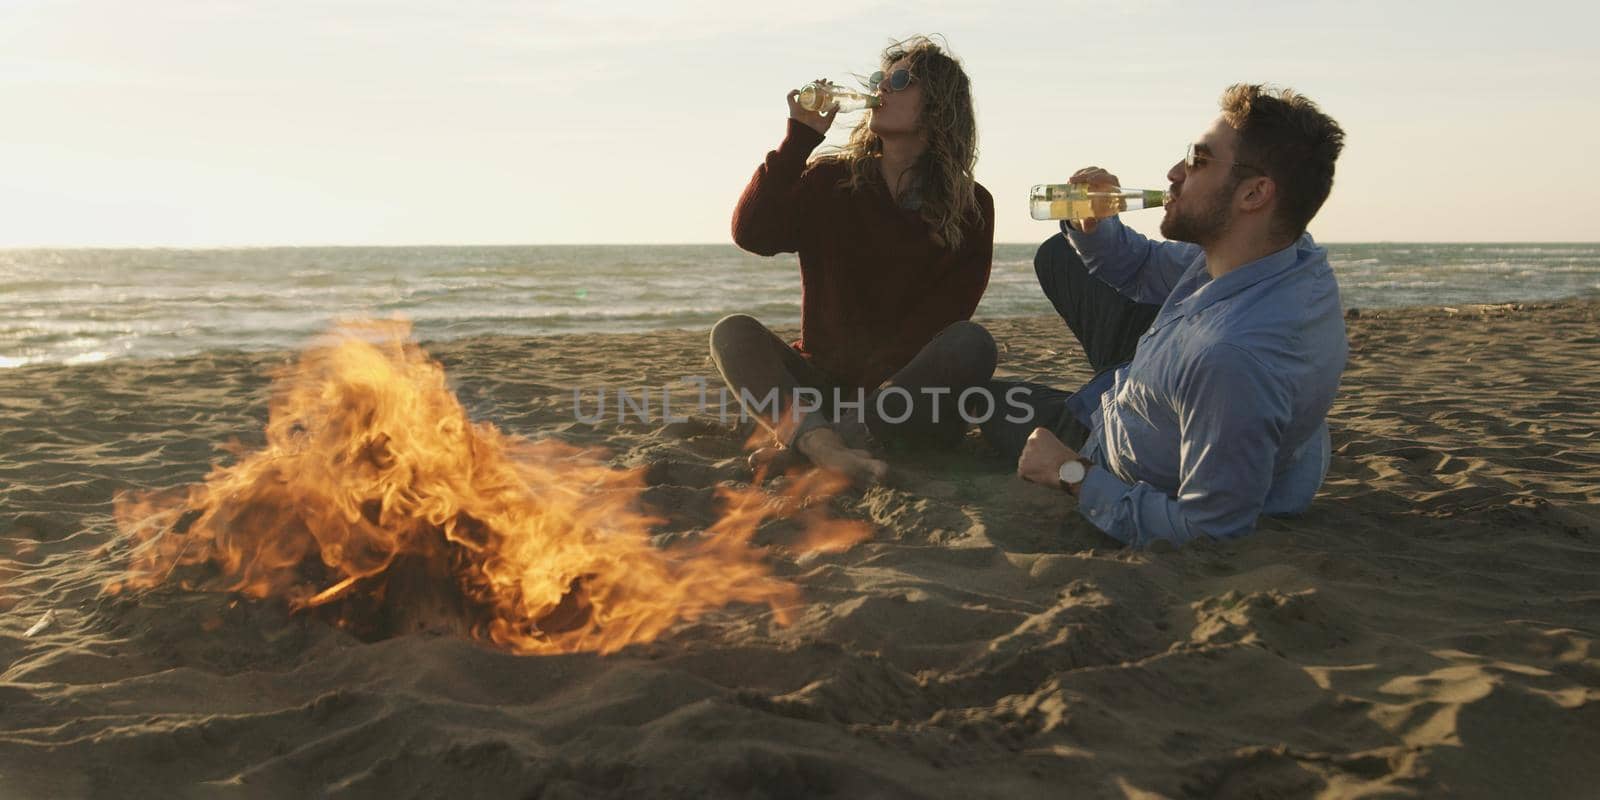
column 826, row 449
column 773, row 460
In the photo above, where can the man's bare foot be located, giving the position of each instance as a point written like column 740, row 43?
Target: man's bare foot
column 826, row 449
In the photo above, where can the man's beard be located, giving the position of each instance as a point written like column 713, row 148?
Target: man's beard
column 1202, row 225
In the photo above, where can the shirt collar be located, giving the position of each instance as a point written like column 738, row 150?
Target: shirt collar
column 1218, row 289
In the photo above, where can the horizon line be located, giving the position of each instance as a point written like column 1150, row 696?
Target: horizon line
column 435, row 245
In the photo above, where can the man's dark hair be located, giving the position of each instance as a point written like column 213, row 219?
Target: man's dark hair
column 1286, row 136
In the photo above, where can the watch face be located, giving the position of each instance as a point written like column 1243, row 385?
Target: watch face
column 1073, row 472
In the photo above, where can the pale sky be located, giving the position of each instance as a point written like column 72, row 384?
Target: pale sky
column 368, row 122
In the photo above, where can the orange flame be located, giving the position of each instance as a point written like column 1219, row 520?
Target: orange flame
column 377, row 500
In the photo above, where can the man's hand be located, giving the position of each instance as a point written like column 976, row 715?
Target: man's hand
column 1097, row 179
column 1042, row 458
column 813, row 120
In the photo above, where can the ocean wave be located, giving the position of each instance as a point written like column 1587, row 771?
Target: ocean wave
column 88, row 304
column 1402, row 284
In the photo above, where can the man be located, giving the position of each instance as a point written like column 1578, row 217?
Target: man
column 1221, row 414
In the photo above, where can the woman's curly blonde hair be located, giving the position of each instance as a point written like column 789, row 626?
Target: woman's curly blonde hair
column 944, row 173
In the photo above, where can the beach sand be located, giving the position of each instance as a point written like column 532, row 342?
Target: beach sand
column 1430, row 628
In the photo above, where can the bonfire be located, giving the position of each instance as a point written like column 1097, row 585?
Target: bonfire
column 378, row 502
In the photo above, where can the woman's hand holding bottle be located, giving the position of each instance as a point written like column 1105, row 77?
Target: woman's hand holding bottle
column 814, row 120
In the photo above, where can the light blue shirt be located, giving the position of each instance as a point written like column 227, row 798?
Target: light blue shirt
column 1222, row 414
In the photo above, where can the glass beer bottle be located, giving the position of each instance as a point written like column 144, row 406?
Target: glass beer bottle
column 1082, row 201
column 819, row 95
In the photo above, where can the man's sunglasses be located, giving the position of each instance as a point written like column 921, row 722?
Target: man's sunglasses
column 1193, row 158
column 893, row 82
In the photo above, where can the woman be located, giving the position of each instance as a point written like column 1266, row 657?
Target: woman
column 895, row 240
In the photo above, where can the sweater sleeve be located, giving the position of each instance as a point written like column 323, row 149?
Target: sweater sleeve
column 767, row 219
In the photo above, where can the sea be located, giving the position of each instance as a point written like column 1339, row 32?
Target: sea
column 78, row 306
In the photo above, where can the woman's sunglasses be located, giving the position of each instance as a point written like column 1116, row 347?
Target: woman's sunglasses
column 893, row 82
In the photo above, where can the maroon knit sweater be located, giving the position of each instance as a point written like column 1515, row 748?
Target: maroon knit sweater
column 875, row 287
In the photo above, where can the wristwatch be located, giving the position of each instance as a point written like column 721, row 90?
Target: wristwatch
column 1072, row 474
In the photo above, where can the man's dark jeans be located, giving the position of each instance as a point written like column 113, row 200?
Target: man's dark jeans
column 1107, row 325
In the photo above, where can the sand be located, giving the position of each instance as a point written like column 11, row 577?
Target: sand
column 1430, row 628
